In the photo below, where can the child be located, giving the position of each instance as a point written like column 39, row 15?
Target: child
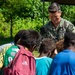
column 11, row 51
column 64, row 62
column 25, row 62
column 43, row 61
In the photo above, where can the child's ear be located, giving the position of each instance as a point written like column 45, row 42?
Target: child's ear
column 33, row 48
column 55, row 51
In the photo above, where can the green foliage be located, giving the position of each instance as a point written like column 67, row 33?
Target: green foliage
column 18, row 24
column 27, row 14
column 4, row 27
column 68, row 12
column 21, row 23
column 15, row 7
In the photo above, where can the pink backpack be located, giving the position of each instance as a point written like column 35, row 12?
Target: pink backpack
column 22, row 64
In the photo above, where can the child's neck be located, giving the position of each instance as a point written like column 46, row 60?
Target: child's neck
column 42, row 54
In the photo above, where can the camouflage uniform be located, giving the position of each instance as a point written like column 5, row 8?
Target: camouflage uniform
column 49, row 31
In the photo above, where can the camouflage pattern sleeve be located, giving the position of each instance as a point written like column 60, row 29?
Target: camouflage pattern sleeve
column 70, row 27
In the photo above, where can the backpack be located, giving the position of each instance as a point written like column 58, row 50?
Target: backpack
column 22, row 64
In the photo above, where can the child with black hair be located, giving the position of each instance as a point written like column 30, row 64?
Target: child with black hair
column 64, row 62
column 43, row 62
column 11, row 51
column 24, row 61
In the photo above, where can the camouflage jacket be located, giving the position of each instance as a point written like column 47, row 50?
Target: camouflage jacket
column 49, row 31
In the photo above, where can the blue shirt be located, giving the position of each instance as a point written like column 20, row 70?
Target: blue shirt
column 63, row 63
column 43, row 65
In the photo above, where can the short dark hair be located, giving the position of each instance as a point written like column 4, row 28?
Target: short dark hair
column 30, row 38
column 69, row 39
column 47, row 45
column 54, row 7
column 18, row 36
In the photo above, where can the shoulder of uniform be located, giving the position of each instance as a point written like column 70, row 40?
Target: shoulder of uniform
column 68, row 22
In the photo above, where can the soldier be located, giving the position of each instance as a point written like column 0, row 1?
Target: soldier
column 57, row 27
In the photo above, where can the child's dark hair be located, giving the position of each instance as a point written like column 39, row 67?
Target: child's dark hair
column 18, row 36
column 47, row 45
column 69, row 39
column 30, row 38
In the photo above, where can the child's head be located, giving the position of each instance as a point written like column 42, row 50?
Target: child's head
column 69, row 40
column 30, row 39
column 47, row 47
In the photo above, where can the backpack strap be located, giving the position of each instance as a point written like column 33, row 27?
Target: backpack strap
column 17, row 54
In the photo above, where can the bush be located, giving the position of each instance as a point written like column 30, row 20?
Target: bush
column 28, row 23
